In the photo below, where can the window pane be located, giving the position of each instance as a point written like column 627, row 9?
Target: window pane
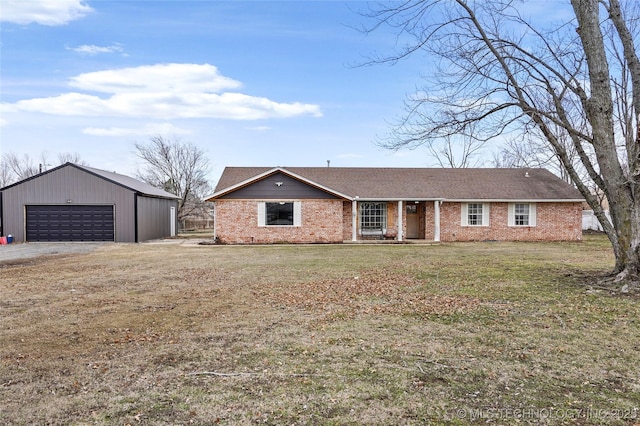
column 474, row 212
column 521, row 212
column 279, row 213
column 373, row 215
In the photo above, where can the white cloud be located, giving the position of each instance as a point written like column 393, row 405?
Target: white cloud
column 43, row 12
column 164, row 91
column 149, row 129
column 198, row 78
column 260, row 128
column 90, row 49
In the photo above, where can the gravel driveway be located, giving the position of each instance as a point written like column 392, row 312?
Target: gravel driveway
column 30, row 250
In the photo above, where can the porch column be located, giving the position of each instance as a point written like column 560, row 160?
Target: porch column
column 400, row 220
column 215, row 222
column 436, row 220
column 354, row 220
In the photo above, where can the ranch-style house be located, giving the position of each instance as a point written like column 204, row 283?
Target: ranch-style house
column 334, row 204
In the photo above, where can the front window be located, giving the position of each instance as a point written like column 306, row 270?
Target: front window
column 280, row 213
column 521, row 214
column 474, row 214
column 373, row 215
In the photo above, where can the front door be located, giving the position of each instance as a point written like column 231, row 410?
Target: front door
column 413, row 221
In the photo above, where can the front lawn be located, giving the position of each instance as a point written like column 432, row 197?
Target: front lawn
column 456, row 333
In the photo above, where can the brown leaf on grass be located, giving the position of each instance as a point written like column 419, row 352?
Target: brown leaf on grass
column 375, row 292
column 139, row 338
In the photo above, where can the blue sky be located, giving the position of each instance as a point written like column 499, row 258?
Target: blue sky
column 252, row 83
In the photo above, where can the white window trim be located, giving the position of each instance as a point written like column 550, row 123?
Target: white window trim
column 262, row 213
column 297, row 213
column 464, row 214
column 512, row 215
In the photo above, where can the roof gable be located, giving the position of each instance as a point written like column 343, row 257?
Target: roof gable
column 417, row 183
column 247, row 178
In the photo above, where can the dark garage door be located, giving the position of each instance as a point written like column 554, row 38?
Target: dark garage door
column 70, row 223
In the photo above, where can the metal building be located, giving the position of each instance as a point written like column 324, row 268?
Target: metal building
column 78, row 203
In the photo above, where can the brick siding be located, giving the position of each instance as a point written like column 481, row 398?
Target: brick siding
column 347, row 220
column 329, row 221
column 554, row 222
column 237, row 223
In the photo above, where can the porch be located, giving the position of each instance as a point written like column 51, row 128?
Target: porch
column 395, row 221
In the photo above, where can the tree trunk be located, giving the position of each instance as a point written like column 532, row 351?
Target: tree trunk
column 619, row 188
column 499, row 70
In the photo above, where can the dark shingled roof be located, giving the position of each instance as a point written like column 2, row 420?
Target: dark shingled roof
column 416, row 183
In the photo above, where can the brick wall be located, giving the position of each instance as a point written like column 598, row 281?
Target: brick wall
column 347, row 220
column 325, row 221
column 392, row 218
column 237, row 222
column 554, row 222
column 429, row 217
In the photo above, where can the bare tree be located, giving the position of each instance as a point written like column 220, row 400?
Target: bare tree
column 14, row 167
column 576, row 84
column 20, row 167
column 178, row 167
column 531, row 150
column 460, row 151
column 6, row 176
column 71, row 157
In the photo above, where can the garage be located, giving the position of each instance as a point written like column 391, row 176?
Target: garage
column 74, row 202
column 69, row 223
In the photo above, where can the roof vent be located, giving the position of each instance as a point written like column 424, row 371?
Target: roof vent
column 526, row 174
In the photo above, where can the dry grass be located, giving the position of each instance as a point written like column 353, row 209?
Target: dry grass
column 333, row 334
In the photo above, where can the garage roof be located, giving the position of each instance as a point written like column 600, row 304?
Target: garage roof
column 122, row 180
